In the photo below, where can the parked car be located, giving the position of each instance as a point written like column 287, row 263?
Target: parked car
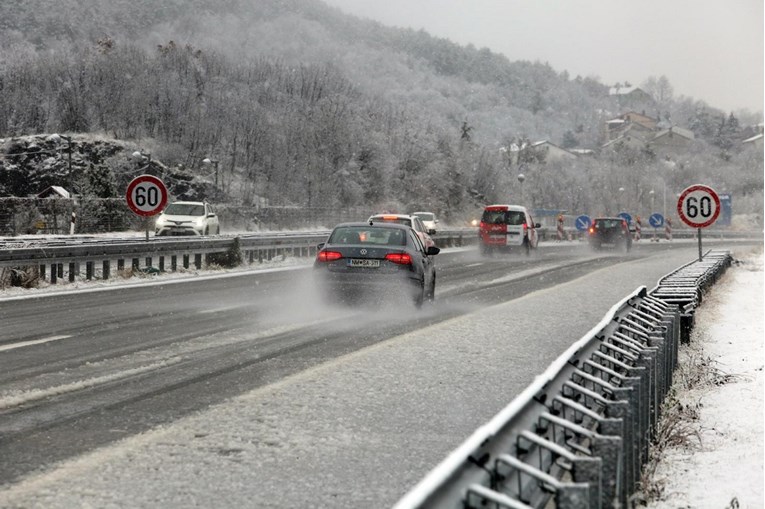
column 412, row 221
column 610, row 232
column 507, row 228
column 380, row 261
column 429, row 220
column 187, row 218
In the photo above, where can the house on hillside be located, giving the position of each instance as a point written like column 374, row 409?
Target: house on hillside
column 552, row 151
column 672, row 140
column 630, row 95
column 639, row 124
column 539, row 151
column 755, row 141
column 54, row 192
column 664, row 142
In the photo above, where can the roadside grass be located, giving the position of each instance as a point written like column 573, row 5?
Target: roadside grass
column 678, row 426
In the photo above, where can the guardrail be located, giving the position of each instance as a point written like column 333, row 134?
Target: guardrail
column 579, row 435
column 67, row 256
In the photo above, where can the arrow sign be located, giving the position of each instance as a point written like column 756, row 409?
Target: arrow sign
column 582, row 223
column 626, row 217
column 656, row 220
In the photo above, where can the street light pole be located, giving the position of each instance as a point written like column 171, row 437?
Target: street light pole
column 619, row 205
column 207, row 161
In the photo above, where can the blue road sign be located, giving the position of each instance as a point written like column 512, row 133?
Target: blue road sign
column 626, row 217
column 582, row 223
column 726, row 211
column 656, row 220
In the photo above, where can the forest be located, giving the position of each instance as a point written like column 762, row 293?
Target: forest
column 301, row 105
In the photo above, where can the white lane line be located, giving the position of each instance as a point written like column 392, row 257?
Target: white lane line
column 17, row 398
column 221, row 309
column 474, row 264
column 29, row 343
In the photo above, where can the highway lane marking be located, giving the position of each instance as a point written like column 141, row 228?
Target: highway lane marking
column 221, row 309
column 16, row 399
column 29, row 343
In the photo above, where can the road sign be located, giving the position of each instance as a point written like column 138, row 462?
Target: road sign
column 146, row 195
column 656, row 220
column 698, row 206
column 582, row 223
column 726, row 210
column 626, row 217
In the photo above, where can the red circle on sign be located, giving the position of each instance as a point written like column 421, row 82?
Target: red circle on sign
column 146, row 195
column 692, row 199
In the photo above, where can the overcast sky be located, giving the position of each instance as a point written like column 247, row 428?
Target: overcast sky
column 709, row 49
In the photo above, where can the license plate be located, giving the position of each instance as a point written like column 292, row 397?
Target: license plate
column 363, row 262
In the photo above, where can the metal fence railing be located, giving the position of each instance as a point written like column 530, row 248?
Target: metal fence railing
column 65, row 258
column 579, row 435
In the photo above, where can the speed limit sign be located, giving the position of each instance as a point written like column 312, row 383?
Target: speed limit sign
column 698, row 206
column 146, row 195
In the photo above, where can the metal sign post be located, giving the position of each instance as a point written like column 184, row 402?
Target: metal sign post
column 698, row 206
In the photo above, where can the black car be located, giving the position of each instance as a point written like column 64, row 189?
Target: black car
column 378, row 261
column 610, row 231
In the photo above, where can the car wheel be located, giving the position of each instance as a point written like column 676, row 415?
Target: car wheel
column 420, row 297
column 526, row 246
column 207, row 230
column 432, row 292
column 217, row 230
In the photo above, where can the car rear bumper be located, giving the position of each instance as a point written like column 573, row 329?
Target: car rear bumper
column 499, row 239
column 352, row 287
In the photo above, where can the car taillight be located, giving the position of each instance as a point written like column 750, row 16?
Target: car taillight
column 328, row 256
column 400, row 258
column 592, row 229
column 483, row 226
column 525, row 227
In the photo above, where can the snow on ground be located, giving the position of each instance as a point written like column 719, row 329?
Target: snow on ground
column 726, row 469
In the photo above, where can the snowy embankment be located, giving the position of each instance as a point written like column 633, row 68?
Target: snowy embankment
column 720, row 465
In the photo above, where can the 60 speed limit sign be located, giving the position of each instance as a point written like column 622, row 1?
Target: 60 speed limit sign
column 698, row 206
column 146, row 195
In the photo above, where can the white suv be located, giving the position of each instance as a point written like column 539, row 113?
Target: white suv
column 187, row 218
column 429, row 220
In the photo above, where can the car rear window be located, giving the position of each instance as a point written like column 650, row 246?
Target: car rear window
column 608, row 223
column 510, row 217
column 426, row 217
column 366, row 235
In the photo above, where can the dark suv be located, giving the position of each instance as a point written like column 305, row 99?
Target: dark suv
column 610, row 231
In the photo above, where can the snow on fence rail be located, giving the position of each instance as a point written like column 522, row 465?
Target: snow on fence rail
column 578, row 436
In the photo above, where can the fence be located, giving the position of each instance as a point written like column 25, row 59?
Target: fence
column 55, row 260
column 579, row 435
column 97, row 215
